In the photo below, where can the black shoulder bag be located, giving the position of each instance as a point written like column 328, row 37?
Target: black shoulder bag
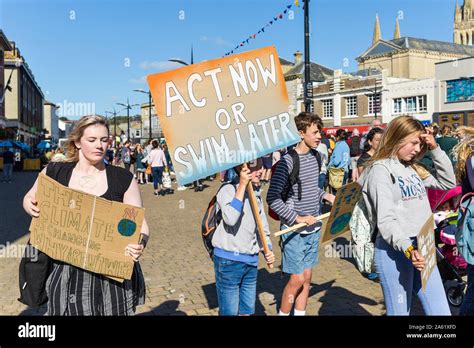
column 35, row 267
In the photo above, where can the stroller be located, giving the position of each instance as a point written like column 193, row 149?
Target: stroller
column 451, row 265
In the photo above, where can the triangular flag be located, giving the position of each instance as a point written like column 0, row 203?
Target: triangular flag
column 254, row 35
column 259, row 31
column 263, row 30
column 285, row 11
column 271, row 22
column 288, row 7
column 297, row 3
column 275, row 18
column 281, row 16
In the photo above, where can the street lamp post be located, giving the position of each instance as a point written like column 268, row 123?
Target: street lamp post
column 307, row 62
column 128, row 107
column 149, row 110
column 115, row 121
column 377, row 99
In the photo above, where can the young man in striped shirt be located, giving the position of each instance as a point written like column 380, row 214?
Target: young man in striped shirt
column 299, row 248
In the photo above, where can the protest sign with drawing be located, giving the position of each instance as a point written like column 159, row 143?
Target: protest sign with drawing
column 221, row 113
column 427, row 249
column 341, row 211
column 84, row 230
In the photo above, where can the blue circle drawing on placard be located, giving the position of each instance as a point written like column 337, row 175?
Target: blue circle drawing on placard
column 340, row 223
column 127, row 227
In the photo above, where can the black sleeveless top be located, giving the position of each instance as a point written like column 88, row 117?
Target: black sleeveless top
column 74, row 291
column 118, row 179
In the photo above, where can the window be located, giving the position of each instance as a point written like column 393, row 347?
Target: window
column 410, row 104
column 327, row 108
column 460, row 90
column 351, row 106
column 374, row 103
column 397, row 106
column 421, row 103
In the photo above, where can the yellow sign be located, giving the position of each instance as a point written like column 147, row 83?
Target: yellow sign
column 84, row 230
column 223, row 112
column 346, row 198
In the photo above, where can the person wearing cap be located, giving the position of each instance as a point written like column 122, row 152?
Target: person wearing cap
column 237, row 244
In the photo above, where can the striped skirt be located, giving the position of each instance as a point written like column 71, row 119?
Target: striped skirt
column 74, row 291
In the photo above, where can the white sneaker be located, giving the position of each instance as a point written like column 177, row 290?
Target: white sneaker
column 182, row 188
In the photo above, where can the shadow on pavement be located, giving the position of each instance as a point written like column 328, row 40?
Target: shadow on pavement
column 168, row 308
column 340, row 301
column 14, row 221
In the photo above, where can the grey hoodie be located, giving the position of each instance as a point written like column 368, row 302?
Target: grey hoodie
column 238, row 231
column 401, row 209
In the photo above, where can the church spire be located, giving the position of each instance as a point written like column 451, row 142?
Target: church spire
column 377, row 35
column 396, row 34
column 457, row 13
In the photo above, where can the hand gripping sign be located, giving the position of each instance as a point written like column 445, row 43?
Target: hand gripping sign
column 224, row 112
column 84, row 230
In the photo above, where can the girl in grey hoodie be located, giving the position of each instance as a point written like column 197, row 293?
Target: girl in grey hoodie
column 393, row 188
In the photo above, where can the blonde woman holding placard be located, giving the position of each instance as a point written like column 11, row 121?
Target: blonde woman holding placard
column 71, row 290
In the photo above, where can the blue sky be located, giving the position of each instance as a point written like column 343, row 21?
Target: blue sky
column 98, row 51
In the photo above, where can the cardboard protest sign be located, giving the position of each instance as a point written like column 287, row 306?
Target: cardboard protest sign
column 223, row 112
column 346, row 198
column 427, row 249
column 85, row 230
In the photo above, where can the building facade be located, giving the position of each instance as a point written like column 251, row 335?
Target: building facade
column 408, row 57
column 50, row 121
column 4, row 46
column 24, row 102
column 294, row 76
column 464, row 23
column 156, row 131
column 454, row 100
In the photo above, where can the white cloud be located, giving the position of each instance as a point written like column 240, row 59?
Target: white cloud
column 141, row 80
column 159, row 65
column 216, row 40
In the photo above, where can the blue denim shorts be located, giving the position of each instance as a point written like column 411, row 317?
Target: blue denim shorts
column 236, row 285
column 300, row 251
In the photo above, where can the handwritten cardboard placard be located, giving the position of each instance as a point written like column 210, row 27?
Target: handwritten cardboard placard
column 427, row 249
column 84, row 230
column 223, row 112
column 341, row 211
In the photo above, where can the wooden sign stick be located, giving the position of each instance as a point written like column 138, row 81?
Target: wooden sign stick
column 297, row 226
column 256, row 215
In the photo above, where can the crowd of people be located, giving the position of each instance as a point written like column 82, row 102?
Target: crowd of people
column 396, row 165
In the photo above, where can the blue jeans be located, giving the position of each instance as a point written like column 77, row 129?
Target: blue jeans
column 467, row 307
column 236, row 285
column 399, row 280
column 157, row 173
column 7, row 171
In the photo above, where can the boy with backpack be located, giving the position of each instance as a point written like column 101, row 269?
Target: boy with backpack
column 294, row 195
column 235, row 242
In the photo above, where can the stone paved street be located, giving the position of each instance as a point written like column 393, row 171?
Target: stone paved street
column 178, row 272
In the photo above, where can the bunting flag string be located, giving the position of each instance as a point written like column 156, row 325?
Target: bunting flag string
column 262, row 29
